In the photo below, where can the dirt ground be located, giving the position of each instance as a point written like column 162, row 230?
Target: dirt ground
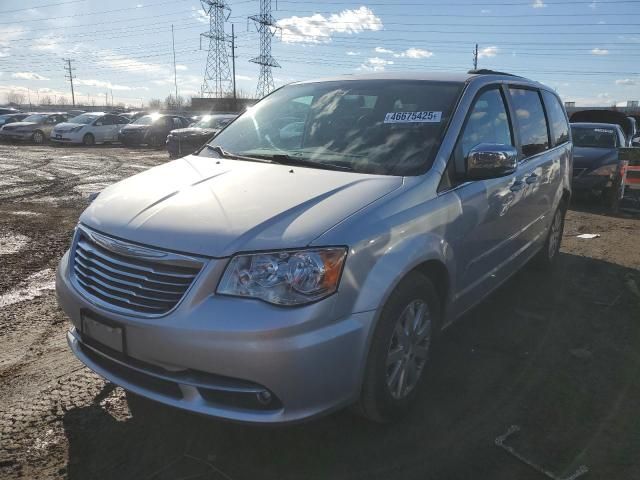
column 558, row 356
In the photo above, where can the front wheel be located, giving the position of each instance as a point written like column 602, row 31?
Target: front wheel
column 88, row 140
column 400, row 349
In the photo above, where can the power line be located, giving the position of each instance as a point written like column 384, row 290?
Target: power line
column 42, row 6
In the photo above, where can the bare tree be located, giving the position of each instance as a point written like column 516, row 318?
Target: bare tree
column 155, row 104
column 46, row 100
column 62, row 100
column 15, row 97
column 174, row 103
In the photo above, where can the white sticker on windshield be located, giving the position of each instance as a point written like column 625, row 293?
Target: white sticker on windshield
column 413, row 117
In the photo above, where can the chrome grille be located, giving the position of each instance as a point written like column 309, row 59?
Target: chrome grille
column 126, row 277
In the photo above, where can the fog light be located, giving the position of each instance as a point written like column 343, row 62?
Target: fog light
column 264, row 397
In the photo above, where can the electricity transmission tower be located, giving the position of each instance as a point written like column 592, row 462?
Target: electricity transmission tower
column 266, row 26
column 70, row 76
column 217, row 75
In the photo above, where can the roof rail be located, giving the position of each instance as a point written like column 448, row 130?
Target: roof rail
column 485, row 71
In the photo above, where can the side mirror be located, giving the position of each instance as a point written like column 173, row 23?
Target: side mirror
column 488, row 160
column 635, row 142
column 98, row 124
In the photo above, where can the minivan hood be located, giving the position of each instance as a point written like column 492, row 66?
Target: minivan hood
column 591, row 157
column 217, row 207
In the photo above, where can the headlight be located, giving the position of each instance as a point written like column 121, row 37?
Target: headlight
column 284, row 278
column 606, row 170
column 77, row 129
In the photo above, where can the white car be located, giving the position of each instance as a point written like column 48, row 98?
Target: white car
column 89, row 128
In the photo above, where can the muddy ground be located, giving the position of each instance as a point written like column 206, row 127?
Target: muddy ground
column 558, row 356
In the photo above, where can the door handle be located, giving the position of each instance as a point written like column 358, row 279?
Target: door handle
column 517, row 186
column 533, row 178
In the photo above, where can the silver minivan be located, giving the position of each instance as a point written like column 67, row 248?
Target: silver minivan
column 308, row 257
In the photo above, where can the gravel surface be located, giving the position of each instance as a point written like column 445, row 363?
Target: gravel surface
column 558, row 355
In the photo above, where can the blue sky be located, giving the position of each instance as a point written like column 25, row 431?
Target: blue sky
column 589, row 51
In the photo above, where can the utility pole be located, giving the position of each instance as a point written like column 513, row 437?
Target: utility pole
column 112, row 104
column 233, row 62
column 266, row 26
column 217, row 75
column 70, row 77
column 475, row 58
column 106, row 99
column 175, row 75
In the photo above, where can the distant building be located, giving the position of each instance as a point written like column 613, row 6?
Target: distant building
column 632, row 103
column 569, row 104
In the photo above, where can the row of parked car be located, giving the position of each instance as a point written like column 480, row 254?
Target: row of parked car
column 180, row 134
column 598, row 136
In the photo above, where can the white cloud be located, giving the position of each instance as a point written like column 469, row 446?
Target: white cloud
column 375, row 64
column 414, row 53
column 485, row 11
column 28, row 76
column 244, row 77
column 626, row 81
column 593, row 5
column 200, row 15
column 351, row 53
column 488, row 52
column 538, row 4
column 127, row 64
column 319, row 29
column 600, row 51
column 408, row 53
column 181, row 68
column 46, row 43
column 103, row 84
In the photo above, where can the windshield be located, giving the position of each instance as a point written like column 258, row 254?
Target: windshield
column 210, row 121
column 84, row 119
column 375, row 126
column 594, row 137
column 36, row 118
column 147, row 120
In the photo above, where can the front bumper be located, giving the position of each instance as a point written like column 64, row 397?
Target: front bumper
column 14, row 135
column 66, row 137
column 590, row 183
column 309, row 362
column 132, row 138
column 183, row 146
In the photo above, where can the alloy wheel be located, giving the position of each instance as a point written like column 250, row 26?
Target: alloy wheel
column 408, row 349
column 38, row 137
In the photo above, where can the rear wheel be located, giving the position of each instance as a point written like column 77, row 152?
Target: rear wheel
column 38, row 137
column 88, row 140
column 549, row 253
column 400, row 349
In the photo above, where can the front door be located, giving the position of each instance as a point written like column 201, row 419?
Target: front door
column 483, row 238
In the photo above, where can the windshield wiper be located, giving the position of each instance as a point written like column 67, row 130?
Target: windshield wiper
column 224, row 154
column 302, row 162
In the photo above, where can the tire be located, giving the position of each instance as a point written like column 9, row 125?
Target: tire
column 88, row 140
column 38, row 137
column 393, row 354
column 547, row 256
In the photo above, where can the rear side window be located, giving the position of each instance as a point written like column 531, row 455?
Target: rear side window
column 530, row 120
column 557, row 118
column 487, row 123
